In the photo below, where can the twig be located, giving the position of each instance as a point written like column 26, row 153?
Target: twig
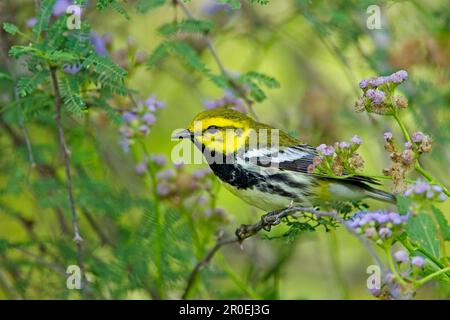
column 66, row 154
column 19, row 110
column 215, row 55
column 266, row 222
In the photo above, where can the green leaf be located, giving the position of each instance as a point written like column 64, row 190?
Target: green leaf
column 188, row 26
column 10, row 28
column 5, row 76
column 111, row 113
column 253, row 80
column 422, row 231
column 234, row 4
column 43, row 17
column 26, row 85
column 105, row 68
column 443, row 223
column 261, row 2
column 403, row 204
column 113, row 4
column 18, row 51
column 183, row 51
column 160, row 53
column 71, row 96
column 143, row 6
column 263, row 79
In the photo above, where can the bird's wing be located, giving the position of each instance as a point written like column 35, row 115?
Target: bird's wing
column 294, row 158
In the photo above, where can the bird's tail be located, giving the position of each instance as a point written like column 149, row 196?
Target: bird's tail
column 380, row 195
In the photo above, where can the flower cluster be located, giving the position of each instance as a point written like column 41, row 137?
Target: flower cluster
column 137, row 121
column 403, row 160
column 422, row 190
column 339, row 159
column 180, row 187
column 381, row 226
column 228, row 100
column 378, row 94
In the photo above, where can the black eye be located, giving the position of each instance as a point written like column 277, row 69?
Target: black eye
column 212, row 129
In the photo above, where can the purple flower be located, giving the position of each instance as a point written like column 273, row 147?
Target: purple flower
column 159, row 159
column 60, row 7
column 385, row 232
column 370, row 232
column 125, row 144
column 388, row 136
column 178, row 165
column 99, row 44
column 72, row 68
column 344, row 145
column 356, row 140
column 389, row 278
column 162, row 190
column 408, row 145
column 144, row 129
column 417, row 137
column 375, row 95
column 165, row 174
column 199, row 174
column 421, row 187
column 325, row 150
column 401, row 256
column 160, row 105
column 408, row 156
column 213, row 8
column 321, row 148
column 141, row 168
column 31, row 22
column 149, row 118
column 129, row 116
column 378, row 81
column 399, row 76
column 364, row 83
column 418, row 261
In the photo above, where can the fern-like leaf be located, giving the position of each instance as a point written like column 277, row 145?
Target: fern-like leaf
column 71, row 96
column 26, row 85
column 43, row 17
column 143, row 6
column 188, row 26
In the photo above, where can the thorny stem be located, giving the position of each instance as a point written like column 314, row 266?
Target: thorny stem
column 218, row 61
column 66, row 155
column 266, row 222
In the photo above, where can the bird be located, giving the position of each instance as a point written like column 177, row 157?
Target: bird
column 271, row 176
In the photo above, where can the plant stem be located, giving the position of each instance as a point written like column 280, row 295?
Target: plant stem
column 431, row 276
column 402, row 127
column 158, row 222
column 334, row 256
column 418, row 167
column 218, row 61
column 392, row 266
column 66, row 155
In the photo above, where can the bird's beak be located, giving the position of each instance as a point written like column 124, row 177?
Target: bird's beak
column 182, row 134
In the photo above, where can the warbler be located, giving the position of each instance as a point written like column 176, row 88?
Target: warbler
column 267, row 167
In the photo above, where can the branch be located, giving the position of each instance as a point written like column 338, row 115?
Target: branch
column 218, row 61
column 266, row 222
column 66, row 154
column 19, row 109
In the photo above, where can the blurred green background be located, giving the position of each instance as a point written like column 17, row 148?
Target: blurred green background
column 317, row 50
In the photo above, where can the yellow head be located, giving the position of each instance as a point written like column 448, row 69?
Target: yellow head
column 220, row 130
